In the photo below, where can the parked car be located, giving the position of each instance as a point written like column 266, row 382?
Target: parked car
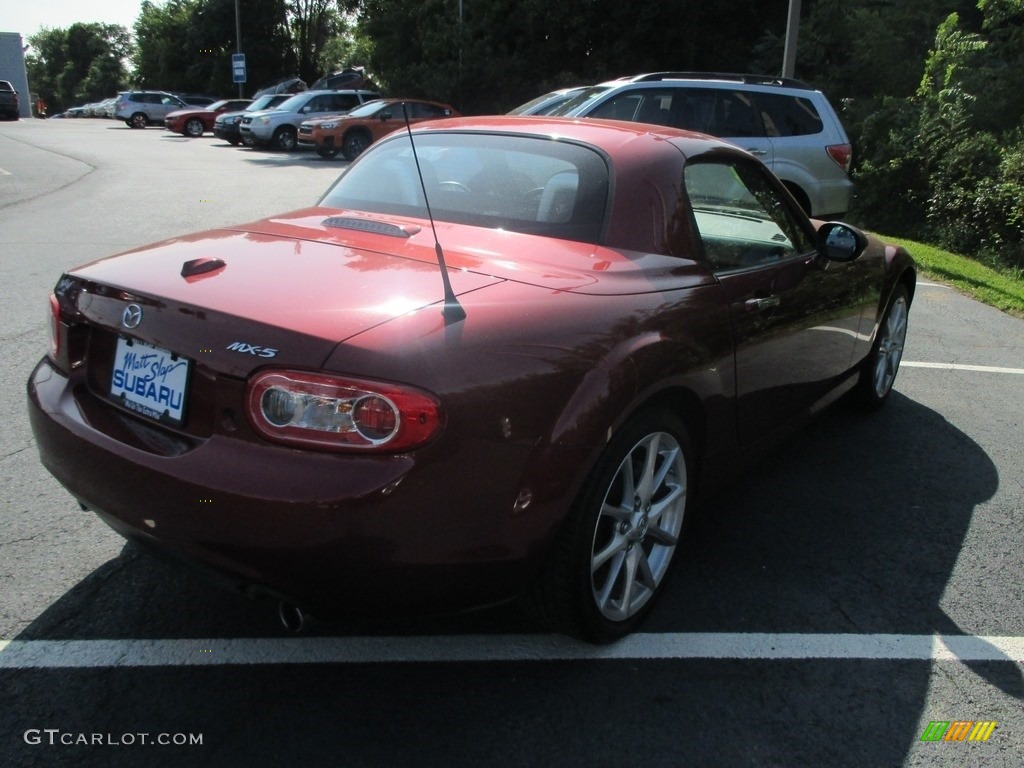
column 226, row 125
column 141, row 108
column 279, row 127
column 548, row 102
column 8, row 100
column 351, row 133
column 326, row 408
column 785, row 122
column 195, row 121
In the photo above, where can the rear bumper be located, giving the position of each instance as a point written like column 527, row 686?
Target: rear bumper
column 332, row 533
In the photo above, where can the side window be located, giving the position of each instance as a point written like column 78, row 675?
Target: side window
column 734, row 115
column 789, row 115
column 345, row 101
column 646, row 105
column 742, row 219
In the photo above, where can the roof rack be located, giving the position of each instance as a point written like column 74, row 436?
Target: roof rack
column 785, row 82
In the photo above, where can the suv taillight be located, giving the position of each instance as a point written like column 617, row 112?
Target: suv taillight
column 842, row 154
column 326, row 412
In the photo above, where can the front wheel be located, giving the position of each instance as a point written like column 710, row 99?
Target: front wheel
column 615, row 550
column 355, row 144
column 285, row 139
column 194, row 128
column 883, row 363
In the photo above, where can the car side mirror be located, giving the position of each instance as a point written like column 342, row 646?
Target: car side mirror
column 840, row 242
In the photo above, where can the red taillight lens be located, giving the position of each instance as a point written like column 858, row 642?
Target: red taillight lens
column 842, row 154
column 54, row 326
column 336, row 413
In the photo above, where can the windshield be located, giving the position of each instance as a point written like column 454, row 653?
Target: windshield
column 580, row 100
column 293, row 104
column 526, row 184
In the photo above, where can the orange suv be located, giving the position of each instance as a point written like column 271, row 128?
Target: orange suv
column 354, row 131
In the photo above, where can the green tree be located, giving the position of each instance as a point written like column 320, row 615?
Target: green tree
column 85, row 62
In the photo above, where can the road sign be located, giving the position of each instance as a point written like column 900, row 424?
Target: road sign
column 238, row 67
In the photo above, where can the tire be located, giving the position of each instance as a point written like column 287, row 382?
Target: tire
column 138, row 120
column 879, row 369
column 194, row 127
column 248, row 140
column 355, row 144
column 234, row 141
column 285, row 138
column 327, row 153
column 611, row 558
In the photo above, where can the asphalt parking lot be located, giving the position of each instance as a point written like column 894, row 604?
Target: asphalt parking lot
column 864, row 582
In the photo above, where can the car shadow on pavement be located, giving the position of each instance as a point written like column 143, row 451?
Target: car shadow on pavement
column 854, row 526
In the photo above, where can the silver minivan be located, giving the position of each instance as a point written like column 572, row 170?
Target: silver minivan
column 790, row 126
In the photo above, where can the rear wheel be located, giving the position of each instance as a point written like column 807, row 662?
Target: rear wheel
column 619, row 541
column 194, row 127
column 883, row 363
column 138, row 120
column 285, row 138
column 355, row 144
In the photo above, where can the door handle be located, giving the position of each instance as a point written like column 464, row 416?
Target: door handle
column 756, row 151
column 760, row 305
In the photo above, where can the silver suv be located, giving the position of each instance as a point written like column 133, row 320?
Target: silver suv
column 279, row 127
column 140, row 108
column 786, row 123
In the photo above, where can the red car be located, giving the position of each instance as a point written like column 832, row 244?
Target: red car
column 194, row 122
column 353, row 408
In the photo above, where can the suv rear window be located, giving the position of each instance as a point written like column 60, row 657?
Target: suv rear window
column 789, row 115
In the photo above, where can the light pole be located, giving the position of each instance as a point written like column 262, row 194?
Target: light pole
column 238, row 39
column 792, row 28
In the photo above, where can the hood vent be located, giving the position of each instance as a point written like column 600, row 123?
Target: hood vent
column 368, row 225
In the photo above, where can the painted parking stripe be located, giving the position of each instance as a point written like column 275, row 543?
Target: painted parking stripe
column 935, row 285
column 4, row 173
column 959, row 367
column 79, row 654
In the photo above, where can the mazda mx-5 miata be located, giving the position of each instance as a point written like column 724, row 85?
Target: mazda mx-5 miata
column 353, row 408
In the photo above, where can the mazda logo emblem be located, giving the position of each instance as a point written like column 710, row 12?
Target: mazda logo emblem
column 132, row 316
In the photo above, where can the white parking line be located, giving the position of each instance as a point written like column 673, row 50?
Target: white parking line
column 935, row 285
column 958, row 367
column 4, row 173
column 79, row 654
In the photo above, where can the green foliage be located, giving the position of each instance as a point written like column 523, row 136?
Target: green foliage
column 83, row 63
column 505, row 52
column 1000, row 288
column 948, row 163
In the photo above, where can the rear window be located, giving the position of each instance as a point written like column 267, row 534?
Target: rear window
column 789, row 115
column 524, row 184
column 5, row 86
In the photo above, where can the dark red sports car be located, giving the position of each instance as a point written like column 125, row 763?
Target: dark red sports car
column 194, row 122
column 335, row 408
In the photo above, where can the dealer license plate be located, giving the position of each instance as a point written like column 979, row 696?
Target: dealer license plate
column 150, row 380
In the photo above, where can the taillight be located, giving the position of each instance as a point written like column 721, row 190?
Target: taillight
column 337, row 413
column 54, row 326
column 842, row 154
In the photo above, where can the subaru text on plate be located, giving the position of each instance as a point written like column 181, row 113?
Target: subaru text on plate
column 332, row 408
